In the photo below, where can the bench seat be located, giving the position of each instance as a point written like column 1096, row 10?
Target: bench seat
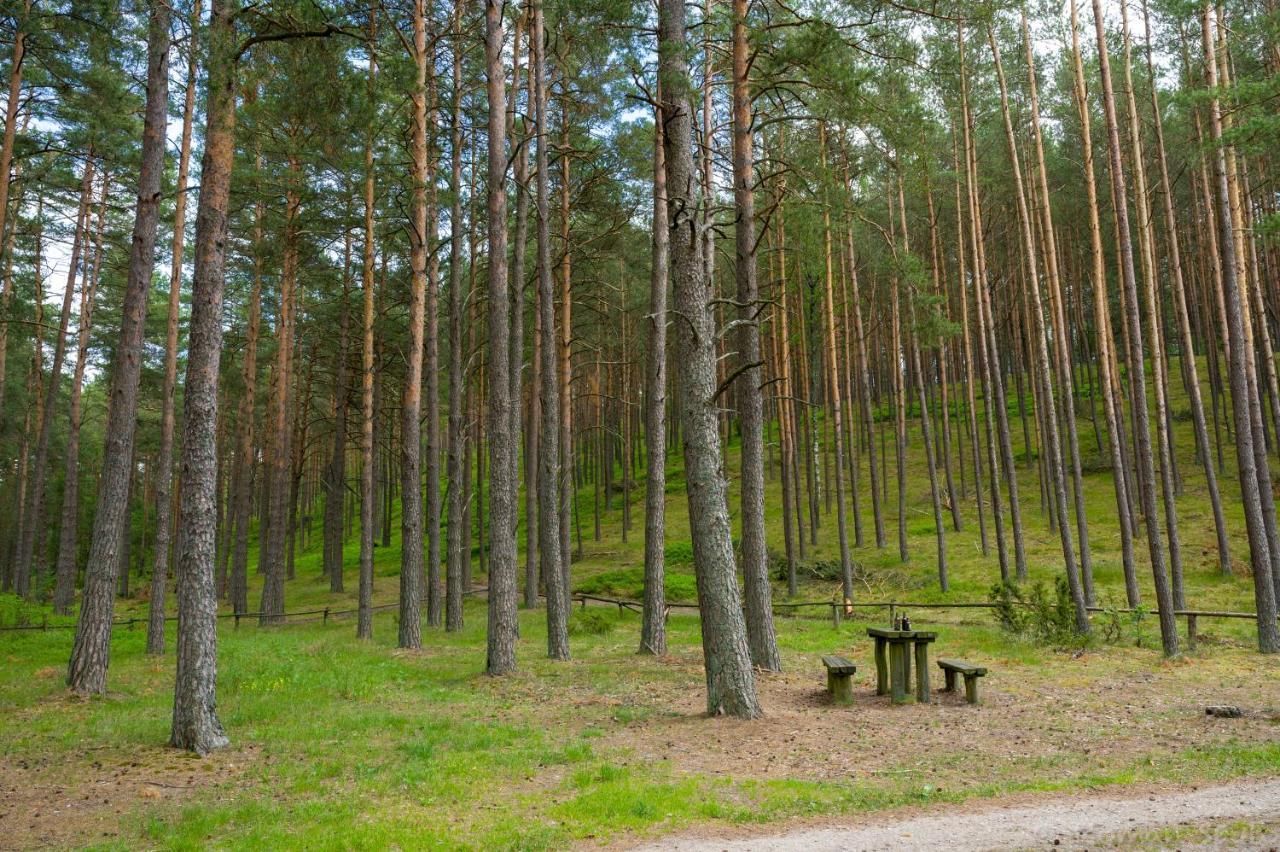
column 971, row 673
column 840, row 672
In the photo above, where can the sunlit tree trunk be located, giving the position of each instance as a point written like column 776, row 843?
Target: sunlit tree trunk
column 503, row 624
column 1102, row 323
column 164, row 457
column 1253, row 465
column 755, row 556
column 1142, row 433
column 364, row 616
column 550, row 518
column 653, row 628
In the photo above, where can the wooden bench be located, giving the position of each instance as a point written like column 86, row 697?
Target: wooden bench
column 951, row 668
column 840, row 678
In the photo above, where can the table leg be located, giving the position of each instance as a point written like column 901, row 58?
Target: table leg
column 922, row 672
column 882, row 668
column 898, row 658
column 906, row 663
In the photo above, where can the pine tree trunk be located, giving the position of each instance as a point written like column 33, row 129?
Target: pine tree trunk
column 940, row 530
column 368, row 464
column 549, row 482
column 755, row 556
column 411, row 543
column 458, row 532
column 271, row 607
column 1188, row 358
column 1142, row 434
column 653, row 628
column 1253, row 465
column 335, row 475
column 7, row 180
column 195, row 722
column 1146, row 246
column 503, row 626
column 1102, row 324
column 730, row 678
column 431, row 358
column 164, row 458
column 1059, row 328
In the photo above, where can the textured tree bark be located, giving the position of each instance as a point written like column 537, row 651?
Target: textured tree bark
column 411, row 543
column 164, row 457
column 1142, row 433
column 755, row 555
column 565, row 350
column 1102, row 323
column 364, row 615
column 64, row 589
column 653, row 627
column 549, row 483
column 520, row 140
column 431, row 358
column 1253, row 466
column 503, row 627
column 459, row 540
column 731, row 687
column 195, row 721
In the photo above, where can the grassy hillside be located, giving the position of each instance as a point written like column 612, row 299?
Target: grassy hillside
column 347, row 744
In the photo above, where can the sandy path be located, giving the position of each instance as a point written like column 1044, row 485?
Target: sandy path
column 1064, row 823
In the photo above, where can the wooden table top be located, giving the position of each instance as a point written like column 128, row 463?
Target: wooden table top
column 889, row 633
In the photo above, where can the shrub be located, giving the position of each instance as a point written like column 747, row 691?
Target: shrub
column 591, row 621
column 680, row 553
column 628, row 583
column 1037, row 614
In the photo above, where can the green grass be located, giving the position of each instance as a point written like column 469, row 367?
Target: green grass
column 345, row 744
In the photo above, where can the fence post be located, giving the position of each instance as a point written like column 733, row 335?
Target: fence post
column 326, row 615
column 237, row 618
column 45, row 624
column 835, row 616
column 892, row 612
column 1191, row 631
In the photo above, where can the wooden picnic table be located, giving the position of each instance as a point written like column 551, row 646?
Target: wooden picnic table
column 893, row 662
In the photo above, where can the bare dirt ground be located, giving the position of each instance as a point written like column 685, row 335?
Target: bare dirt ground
column 79, row 797
column 1237, row 816
column 1093, row 712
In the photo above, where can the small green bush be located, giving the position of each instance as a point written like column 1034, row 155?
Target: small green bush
column 628, row 584
column 591, row 621
column 1037, row 614
column 680, row 553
